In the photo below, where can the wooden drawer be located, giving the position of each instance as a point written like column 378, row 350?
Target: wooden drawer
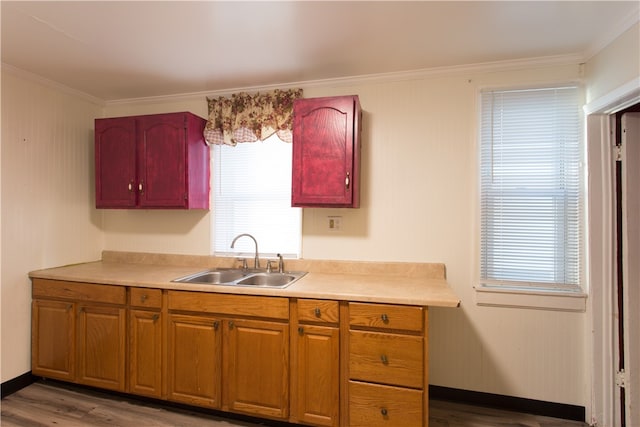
column 373, row 405
column 386, row 316
column 145, row 297
column 108, row 294
column 235, row 305
column 386, row 358
column 318, row 311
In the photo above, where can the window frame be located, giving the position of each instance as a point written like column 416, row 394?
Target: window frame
column 244, row 248
column 531, row 294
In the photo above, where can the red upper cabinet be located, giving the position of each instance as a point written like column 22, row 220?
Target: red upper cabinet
column 326, row 152
column 154, row 161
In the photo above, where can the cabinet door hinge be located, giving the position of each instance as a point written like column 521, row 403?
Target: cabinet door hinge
column 621, row 378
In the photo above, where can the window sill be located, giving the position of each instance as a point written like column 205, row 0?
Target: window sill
column 535, row 299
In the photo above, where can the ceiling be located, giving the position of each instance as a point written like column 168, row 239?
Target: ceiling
column 115, row 50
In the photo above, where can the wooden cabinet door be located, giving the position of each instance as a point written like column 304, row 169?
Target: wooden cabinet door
column 145, row 352
column 326, row 152
column 195, row 360
column 318, row 373
column 115, row 162
column 53, row 339
column 101, row 346
column 162, row 160
column 257, row 373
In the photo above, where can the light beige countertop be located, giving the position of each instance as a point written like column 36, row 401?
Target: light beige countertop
column 422, row 284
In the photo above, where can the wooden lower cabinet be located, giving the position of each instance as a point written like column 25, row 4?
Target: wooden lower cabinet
column 145, row 352
column 306, row 361
column 147, row 343
column 318, row 375
column 53, row 336
column 256, row 374
column 79, row 333
column 229, row 352
column 101, row 346
column 388, row 372
column 195, row 360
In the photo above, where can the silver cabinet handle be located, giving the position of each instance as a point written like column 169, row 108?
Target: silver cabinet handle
column 347, row 181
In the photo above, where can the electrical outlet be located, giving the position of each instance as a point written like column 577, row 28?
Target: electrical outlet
column 334, row 223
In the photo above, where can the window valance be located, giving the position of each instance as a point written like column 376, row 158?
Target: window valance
column 250, row 117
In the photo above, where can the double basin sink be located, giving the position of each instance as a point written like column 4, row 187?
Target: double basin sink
column 242, row 277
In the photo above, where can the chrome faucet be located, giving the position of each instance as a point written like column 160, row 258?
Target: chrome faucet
column 280, row 264
column 256, row 262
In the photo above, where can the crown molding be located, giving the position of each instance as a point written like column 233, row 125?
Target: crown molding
column 27, row 75
column 511, row 65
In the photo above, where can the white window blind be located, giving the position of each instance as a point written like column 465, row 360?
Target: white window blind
column 252, row 194
column 531, row 188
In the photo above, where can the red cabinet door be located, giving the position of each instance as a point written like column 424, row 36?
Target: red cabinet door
column 326, row 152
column 162, row 161
column 115, row 160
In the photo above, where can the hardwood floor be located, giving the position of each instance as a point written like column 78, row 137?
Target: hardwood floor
column 55, row 404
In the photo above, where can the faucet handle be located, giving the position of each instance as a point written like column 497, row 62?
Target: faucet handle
column 244, row 263
column 280, row 264
column 268, row 266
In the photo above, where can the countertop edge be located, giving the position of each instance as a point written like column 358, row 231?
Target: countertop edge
column 392, row 289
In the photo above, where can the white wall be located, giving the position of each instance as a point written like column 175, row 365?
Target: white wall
column 48, row 217
column 419, row 203
column 615, row 65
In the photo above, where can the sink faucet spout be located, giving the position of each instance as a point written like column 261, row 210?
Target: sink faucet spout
column 256, row 262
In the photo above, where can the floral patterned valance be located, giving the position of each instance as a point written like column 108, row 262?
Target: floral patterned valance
column 250, row 117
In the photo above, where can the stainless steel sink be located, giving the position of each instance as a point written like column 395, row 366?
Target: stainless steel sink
column 275, row 280
column 213, row 277
column 242, row 277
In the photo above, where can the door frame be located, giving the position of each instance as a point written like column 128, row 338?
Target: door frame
column 601, row 335
column 630, row 202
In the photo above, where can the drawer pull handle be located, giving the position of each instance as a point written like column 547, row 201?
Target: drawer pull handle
column 384, row 359
column 384, row 412
column 155, row 317
column 231, row 325
column 385, row 318
column 143, row 298
column 216, row 324
column 300, row 330
column 317, row 312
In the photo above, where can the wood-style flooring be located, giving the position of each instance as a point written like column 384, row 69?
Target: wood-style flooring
column 53, row 404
